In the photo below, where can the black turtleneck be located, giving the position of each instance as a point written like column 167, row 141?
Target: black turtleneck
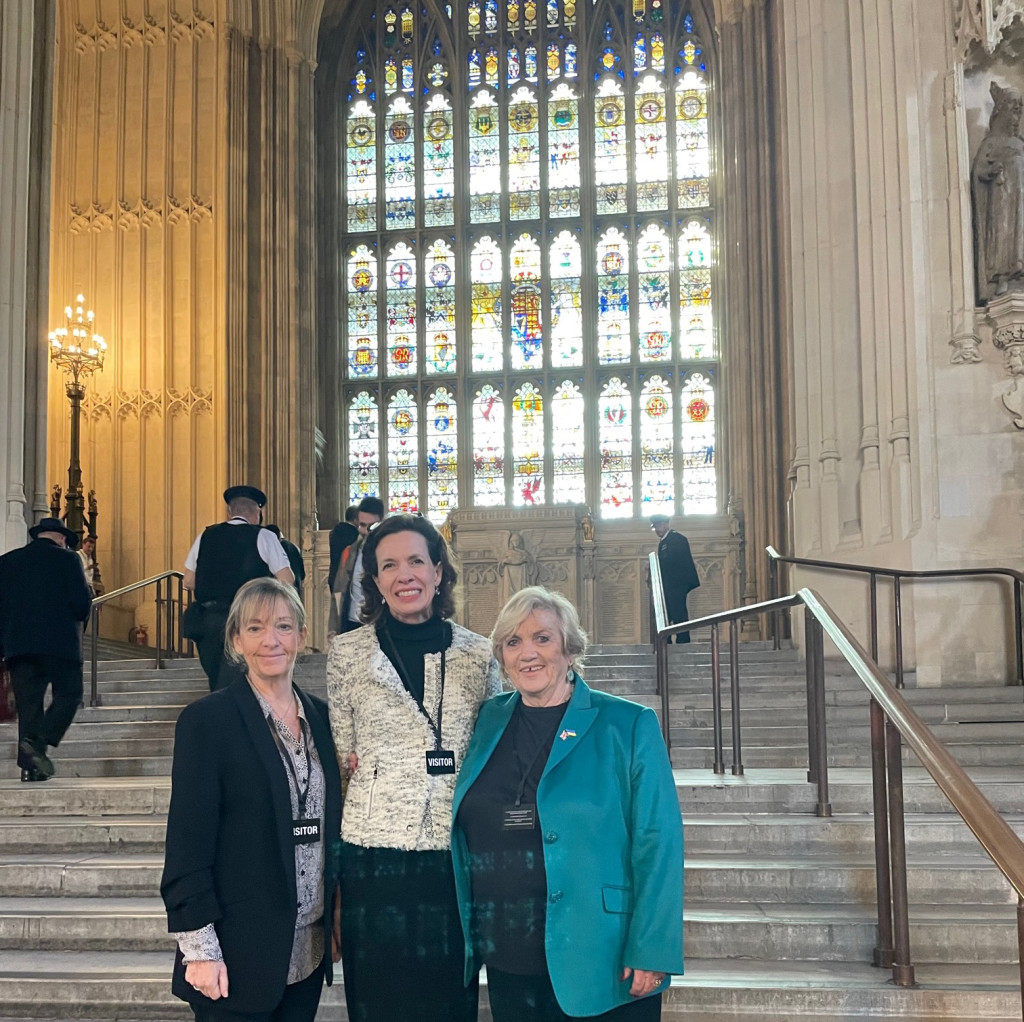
column 406, row 645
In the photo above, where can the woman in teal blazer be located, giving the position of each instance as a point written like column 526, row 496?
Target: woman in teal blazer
column 567, row 837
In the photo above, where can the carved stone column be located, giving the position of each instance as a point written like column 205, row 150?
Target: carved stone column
column 1006, row 314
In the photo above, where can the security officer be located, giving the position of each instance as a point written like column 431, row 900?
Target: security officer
column 222, row 559
column 678, row 572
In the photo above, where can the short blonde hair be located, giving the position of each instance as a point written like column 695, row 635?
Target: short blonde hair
column 256, row 597
column 521, row 605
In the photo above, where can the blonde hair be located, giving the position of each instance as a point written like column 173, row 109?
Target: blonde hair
column 253, row 599
column 521, row 605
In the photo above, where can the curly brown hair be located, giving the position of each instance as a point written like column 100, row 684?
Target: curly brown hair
column 437, row 549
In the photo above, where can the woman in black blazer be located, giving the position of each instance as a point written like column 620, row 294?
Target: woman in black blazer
column 249, row 879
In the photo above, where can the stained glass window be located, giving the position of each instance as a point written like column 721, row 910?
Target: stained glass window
column 523, row 156
column 566, row 301
column 525, row 324
column 403, row 454
column 400, row 166
column 442, row 455
column 484, row 160
column 657, row 448
column 563, row 153
column 528, row 447
column 438, row 163
column 697, row 445
column 615, row 436
column 575, row 268
column 488, row 448
column 401, row 310
column 362, row 168
column 488, row 337
column 695, row 291
column 654, row 307
column 439, row 308
column 362, row 313
column 613, row 297
column 568, row 440
column 363, row 448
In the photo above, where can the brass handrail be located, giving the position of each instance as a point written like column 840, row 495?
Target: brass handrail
column 659, row 621
column 874, row 572
column 893, row 719
column 167, row 621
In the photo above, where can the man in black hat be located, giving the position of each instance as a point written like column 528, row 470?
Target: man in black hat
column 44, row 599
column 678, row 572
column 222, row 559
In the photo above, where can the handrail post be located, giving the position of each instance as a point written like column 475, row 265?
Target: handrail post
column 773, row 593
column 902, row 969
column 1020, row 945
column 810, row 664
column 650, row 613
column 818, row 737
column 874, row 617
column 734, row 699
column 1018, row 638
column 716, row 698
column 898, row 602
column 169, row 611
column 661, row 673
column 883, row 884
column 94, row 685
column 159, row 625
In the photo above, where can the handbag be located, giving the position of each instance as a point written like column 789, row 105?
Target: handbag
column 8, row 707
column 192, row 623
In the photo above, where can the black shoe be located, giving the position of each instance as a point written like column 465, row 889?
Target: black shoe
column 33, row 775
column 32, row 756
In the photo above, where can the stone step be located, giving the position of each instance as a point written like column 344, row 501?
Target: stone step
column 768, row 757
column 78, row 745
column 755, row 732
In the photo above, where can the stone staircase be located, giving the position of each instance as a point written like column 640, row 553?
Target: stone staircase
column 779, row 904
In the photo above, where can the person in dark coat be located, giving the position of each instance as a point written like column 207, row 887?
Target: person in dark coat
column 294, row 558
column 44, row 599
column 343, row 535
column 678, row 572
column 222, row 559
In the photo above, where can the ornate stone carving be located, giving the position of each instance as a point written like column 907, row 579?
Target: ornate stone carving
column 965, row 350
column 149, row 32
column 187, row 402
column 517, row 567
column 193, row 208
column 93, row 218
column 997, row 187
column 143, row 213
column 194, row 26
column 1006, row 314
column 982, row 21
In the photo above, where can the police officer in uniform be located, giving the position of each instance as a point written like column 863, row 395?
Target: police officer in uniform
column 222, row 559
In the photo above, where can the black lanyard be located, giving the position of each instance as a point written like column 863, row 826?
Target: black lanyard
column 399, row 664
column 542, row 750
column 301, row 794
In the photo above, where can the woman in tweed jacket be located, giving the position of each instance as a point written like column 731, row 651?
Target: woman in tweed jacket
column 403, row 693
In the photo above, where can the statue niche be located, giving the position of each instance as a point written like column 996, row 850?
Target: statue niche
column 997, row 187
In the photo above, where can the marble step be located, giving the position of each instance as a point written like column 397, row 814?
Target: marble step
column 804, row 932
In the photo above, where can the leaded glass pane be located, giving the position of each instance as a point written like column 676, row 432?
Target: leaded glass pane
column 567, row 445
column 695, row 319
column 484, row 160
column 512, row 9
column 491, row 66
column 362, row 313
column 438, row 163
column 563, row 153
column 651, row 145
column 526, row 326
column 474, row 68
column 554, row 61
column 566, row 301
column 616, row 443
column 530, row 59
column 654, row 308
column 403, row 454
column 488, row 448
column 490, row 16
column 657, row 482
column 611, row 149
column 439, row 308
column 400, row 166
column 658, row 52
column 361, row 168
column 693, row 154
column 401, row 311
column 528, row 447
column 442, row 455
column 363, row 456
column 513, row 65
column 487, row 337
column 613, row 297
column 697, row 446
column 523, row 156
column 570, row 60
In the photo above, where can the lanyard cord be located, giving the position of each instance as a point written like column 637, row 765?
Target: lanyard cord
column 541, row 750
column 403, row 672
column 301, row 794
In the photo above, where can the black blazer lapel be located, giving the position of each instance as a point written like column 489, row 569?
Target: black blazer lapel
column 270, row 757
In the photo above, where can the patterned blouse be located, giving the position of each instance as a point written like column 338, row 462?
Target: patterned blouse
column 203, row 945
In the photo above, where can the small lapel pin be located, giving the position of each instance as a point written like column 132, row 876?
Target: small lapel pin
column 567, row 734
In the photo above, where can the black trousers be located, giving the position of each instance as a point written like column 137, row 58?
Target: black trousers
column 677, row 612
column 298, row 1004
column 30, row 676
column 532, row 999
column 219, row 670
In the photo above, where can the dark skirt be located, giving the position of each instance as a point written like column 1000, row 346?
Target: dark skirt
column 402, row 948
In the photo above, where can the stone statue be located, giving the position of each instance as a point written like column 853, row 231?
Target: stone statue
column 997, row 186
column 587, row 528
column 516, row 567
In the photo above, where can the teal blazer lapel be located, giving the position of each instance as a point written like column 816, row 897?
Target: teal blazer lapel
column 578, row 719
column 490, row 726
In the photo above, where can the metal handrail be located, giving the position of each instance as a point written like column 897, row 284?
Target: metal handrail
column 168, row 622
column 892, row 720
column 659, row 621
column 898, row 575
